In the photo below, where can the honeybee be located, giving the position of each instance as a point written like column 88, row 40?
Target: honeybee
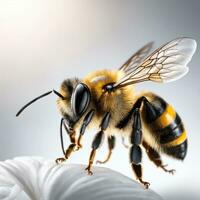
column 107, row 100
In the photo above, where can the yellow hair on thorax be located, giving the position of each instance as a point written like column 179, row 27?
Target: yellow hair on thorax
column 96, row 80
column 120, row 99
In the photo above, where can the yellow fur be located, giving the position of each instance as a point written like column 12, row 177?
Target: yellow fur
column 96, row 86
column 118, row 102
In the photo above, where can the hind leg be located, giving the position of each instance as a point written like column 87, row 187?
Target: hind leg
column 135, row 139
column 155, row 157
column 135, row 150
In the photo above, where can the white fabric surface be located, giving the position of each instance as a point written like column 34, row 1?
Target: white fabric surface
column 36, row 178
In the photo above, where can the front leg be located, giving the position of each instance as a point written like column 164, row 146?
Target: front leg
column 97, row 141
column 71, row 147
column 86, row 121
column 72, row 135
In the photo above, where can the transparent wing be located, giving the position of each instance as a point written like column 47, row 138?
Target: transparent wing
column 136, row 58
column 166, row 64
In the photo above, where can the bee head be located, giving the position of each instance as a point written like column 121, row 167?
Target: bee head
column 80, row 99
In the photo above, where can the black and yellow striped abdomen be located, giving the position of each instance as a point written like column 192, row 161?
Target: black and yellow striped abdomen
column 166, row 126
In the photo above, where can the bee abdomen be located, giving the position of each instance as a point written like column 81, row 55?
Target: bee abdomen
column 167, row 128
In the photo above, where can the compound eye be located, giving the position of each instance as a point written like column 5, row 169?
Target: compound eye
column 80, row 99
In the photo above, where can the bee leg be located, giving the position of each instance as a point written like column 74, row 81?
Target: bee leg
column 111, row 145
column 97, row 141
column 86, row 121
column 155, row 157
column 137, row 168
column 71, row 147
column 135, row 149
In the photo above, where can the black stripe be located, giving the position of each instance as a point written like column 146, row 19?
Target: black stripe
column 178, row 151
column 160, row 105
column 177, row 121
column 154, row 109
column 171, row 134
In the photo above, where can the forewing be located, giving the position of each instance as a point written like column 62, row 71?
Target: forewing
column 136, row 58
column 166, row 64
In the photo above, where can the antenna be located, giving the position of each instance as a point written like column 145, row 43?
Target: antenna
column 39, row 97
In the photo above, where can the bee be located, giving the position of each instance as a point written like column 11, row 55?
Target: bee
column 106, row 99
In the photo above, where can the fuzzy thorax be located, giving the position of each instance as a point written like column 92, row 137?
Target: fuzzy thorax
column 118, row 102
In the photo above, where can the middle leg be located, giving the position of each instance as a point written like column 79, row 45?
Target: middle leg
column 97, row 141
column 111, row 145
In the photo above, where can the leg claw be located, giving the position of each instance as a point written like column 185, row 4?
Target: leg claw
column 171, row 171
column 78, row 146
column 89, row 171
column 146, row 184
column 99, row 162
column 60, row 160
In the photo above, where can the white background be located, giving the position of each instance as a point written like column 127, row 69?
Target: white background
column 44, row 42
